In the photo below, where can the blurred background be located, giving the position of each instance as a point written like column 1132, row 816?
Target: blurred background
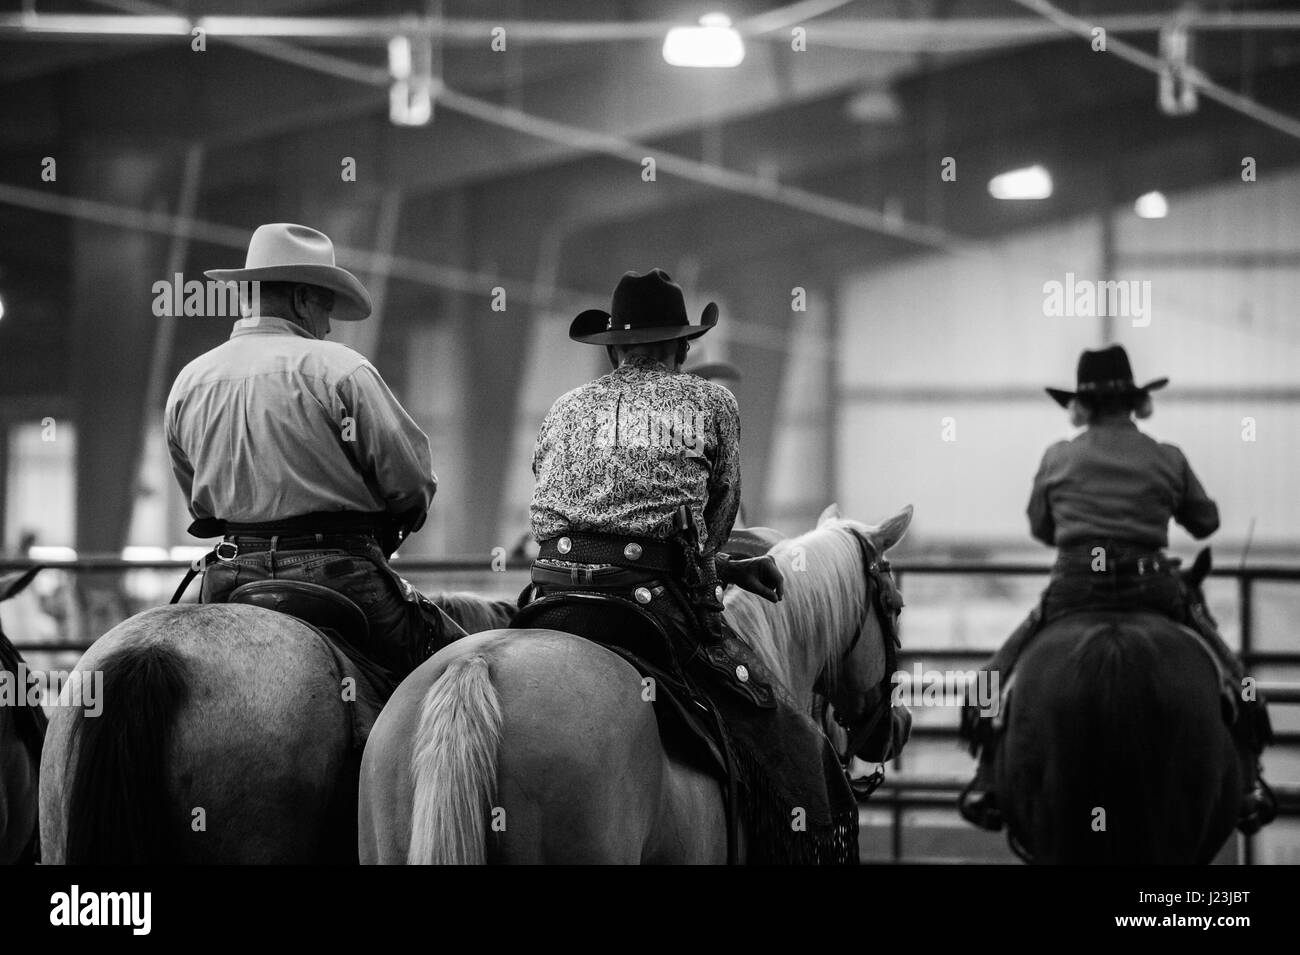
column 876, row 194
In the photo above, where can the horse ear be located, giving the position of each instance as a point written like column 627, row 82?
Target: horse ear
column 832, row 513
column 891, row 531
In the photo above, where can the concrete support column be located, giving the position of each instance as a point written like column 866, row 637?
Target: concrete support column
column 113, row 331
column 759, row 296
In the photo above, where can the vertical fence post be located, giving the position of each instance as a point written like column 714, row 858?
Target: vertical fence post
column 1246, row 622
column 896, row 829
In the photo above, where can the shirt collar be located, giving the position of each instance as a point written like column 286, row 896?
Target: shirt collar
column 269, row 325
column 643, row 363
column 1114, row 421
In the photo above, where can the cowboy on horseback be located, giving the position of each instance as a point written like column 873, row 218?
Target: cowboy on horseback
column 1104, row 499
column 638, row 478
column 296, row 451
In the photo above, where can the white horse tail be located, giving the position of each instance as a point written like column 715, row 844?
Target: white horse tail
column 454, row 766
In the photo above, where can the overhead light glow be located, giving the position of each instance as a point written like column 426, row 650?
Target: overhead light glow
column 875, row 106
column 46, row 552
column 410, row 98
column 711, row 44
column 1032, row 182
column 1152, row 205
column 144, row 554
column 2, row 308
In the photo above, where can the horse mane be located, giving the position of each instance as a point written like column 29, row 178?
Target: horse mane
column 824, row 602
column 474, row 613
column 29, row 721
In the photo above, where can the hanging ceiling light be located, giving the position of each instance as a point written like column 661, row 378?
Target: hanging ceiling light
column 410, row 98
column 714, row 43
column 1031, row 182
column 1151, row 205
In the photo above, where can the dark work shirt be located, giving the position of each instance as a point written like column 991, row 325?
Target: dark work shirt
column 1113, row 482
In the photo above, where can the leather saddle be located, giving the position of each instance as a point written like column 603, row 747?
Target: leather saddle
column 326, row 610
column 688, row 721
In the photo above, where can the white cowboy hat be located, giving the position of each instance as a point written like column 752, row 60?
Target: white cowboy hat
column 284, row 252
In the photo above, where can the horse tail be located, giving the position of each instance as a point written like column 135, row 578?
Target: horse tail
column 454, row 766
column 1113, row 779
column 117, row 801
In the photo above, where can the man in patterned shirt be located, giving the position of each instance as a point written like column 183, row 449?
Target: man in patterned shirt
column 639, row 470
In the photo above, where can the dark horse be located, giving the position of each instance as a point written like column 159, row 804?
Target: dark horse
column 1116, row 750
column 22, row 734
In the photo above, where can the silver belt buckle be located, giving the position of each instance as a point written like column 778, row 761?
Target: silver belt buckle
column 226, row 557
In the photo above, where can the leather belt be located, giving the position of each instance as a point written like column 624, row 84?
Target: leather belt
column 1141, row 564
column 618, row 550
column 589, row 575
column 236, row 544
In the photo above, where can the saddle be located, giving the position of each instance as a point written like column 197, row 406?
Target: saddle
column 313, row 604
column 767, row 758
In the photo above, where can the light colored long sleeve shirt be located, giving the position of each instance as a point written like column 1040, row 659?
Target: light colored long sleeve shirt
column 1113, row 482
column 275, row 423
column 621, row 454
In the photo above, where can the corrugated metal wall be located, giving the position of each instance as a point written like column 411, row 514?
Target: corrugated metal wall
column 963, row 343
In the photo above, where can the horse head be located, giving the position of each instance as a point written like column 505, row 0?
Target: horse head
column 858, row 682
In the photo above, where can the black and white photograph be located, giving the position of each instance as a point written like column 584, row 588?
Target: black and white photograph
column 685, row 433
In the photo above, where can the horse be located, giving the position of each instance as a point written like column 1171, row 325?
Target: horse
column 226, row 737
column 22, row 734
column 1115, row 749
column 546, row 737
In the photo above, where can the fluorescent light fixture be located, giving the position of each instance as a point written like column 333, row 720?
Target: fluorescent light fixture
column 410, row 98
column 2, row 308
column 712, row 44
column 1151, row 205
column 1032, row 182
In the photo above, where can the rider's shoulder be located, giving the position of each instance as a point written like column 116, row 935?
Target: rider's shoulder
column 339, row 359
column 1059, row 449
column 719, row 397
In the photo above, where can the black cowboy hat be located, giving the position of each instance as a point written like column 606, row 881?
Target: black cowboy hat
column 1105, row 373
column 646, row 308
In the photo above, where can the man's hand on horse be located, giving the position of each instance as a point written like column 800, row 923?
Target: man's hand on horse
column 758, row 575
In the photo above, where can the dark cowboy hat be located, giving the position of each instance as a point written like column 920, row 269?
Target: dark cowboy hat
column 714, row 370
column 646, row 308
column 1105, row 373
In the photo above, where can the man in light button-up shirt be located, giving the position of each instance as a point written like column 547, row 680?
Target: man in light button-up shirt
column 297, row 451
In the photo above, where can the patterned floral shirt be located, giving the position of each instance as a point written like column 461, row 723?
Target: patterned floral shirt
column 621, row 454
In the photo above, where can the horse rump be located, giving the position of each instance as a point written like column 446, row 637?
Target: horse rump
column 117, row 807
column 1117, row 723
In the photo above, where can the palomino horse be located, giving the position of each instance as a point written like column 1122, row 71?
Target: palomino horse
column 22, row 732
column 1116, row 750
column 225, row 737
column 547, row 738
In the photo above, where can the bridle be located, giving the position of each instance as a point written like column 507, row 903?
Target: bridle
column 884, row 600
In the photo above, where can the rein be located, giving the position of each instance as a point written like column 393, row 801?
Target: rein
column 860, row 730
